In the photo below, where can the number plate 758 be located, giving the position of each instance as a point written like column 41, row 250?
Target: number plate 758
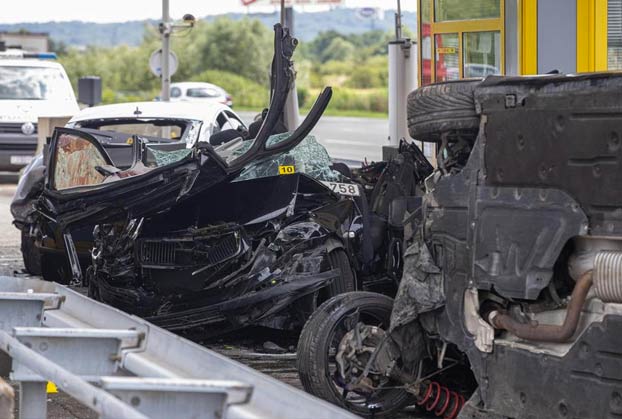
column 347, row 189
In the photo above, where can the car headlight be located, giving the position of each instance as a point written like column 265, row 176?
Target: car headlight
column 28, row 128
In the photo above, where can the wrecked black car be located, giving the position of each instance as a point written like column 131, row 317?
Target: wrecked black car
column 210, row 238
column 510, row 302
column 114, row 126
column 242, row 252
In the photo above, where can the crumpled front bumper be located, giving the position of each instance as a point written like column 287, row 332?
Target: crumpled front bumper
column 232, row 314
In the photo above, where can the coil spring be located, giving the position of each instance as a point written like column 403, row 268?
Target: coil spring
column 441, row 401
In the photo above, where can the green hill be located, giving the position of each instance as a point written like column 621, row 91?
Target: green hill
column 307, row 26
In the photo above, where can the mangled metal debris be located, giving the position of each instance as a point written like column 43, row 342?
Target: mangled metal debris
column 511, row 292
column 209, row 238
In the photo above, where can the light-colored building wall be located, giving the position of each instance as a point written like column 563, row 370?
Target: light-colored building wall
column 31, row 42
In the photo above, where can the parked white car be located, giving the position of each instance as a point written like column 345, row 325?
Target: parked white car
column 200, row 92
column 30, row 87
column 177, row 121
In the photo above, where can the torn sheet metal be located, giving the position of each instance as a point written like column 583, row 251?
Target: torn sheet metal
column 209, row 267
column 421, row 288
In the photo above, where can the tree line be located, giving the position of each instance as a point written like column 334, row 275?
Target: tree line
column 236, row 55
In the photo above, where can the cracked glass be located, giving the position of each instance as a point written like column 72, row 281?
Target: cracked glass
column 308, row 157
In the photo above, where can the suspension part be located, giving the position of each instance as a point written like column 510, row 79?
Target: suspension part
column 548, row 332
column 441, row 401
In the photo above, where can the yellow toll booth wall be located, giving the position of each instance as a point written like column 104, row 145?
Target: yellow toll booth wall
column 475, row 38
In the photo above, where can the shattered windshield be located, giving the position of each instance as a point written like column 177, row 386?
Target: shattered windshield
column 32, row 83
column 308, row 157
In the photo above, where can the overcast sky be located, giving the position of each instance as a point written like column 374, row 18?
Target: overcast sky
column 15, row 11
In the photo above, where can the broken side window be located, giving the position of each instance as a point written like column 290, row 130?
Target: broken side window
column 76, row 163
column 165, row 157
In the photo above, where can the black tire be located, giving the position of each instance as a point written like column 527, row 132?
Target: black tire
column 317, row 339
column 30, row 253
column 55, row 268
column 338, row 259
column 447, row 107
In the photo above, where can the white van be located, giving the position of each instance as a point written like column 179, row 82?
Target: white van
column 29, row 87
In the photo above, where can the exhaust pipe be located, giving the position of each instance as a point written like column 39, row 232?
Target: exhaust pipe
column 546, row 332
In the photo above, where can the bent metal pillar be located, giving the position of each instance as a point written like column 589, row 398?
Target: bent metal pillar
column 291, row 112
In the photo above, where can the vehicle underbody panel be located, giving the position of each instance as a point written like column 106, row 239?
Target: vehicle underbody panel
column 512, row 221
column 571, row 143
column 542, row 172
column 584, row 383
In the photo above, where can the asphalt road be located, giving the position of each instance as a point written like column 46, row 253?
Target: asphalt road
column 10, row 255
column 351, row 140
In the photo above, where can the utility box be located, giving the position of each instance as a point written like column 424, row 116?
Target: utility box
column 90, row 90
column 45, row 129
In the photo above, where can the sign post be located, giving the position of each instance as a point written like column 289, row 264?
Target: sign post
column 165, row 31
column 165, row 59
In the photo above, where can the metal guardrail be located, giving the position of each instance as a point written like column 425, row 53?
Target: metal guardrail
column 121, row 366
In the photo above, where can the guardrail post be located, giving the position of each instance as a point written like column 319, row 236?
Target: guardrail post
column 163, row 398
column 21, row 309
column 7, row 400
column 32, row 400
column 39, row 338
column 88, row 353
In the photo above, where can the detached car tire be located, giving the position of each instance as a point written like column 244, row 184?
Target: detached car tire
column 54, row 268
column 316, row 339
column 30, row 254
column 441, row 108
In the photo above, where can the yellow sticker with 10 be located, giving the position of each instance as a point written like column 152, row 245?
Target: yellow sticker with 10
column 287, row 170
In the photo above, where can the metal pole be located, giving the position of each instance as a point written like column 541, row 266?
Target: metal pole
column 165, row 30
column 398, row 21
column 402, row 80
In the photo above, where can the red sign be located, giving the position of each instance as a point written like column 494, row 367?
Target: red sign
column 292, row 2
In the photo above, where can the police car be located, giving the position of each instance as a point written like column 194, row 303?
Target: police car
column 31, row 85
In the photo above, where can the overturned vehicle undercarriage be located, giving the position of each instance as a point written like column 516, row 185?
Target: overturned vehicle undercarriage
column 206, row 239
column 510, row 303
